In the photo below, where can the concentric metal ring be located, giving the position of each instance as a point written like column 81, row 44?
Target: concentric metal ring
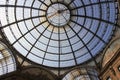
column 58, row 15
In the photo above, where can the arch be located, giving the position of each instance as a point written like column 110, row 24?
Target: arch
column 82, row 73
column 110, row 51
column 7, row 60
column 32, row 73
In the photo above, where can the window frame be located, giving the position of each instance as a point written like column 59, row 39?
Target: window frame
column 118, row 68
column 108, row 78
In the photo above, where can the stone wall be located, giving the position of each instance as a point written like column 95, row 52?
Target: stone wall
column 111, row 69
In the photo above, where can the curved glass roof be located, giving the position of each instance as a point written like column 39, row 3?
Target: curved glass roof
column 7, row 61
column 58, row 33
column 82, row 74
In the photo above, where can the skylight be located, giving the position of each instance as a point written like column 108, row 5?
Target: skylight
column 58, row 33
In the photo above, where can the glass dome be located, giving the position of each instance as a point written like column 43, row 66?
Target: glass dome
column 7, row 61
column 58, row 33
column 82, row 74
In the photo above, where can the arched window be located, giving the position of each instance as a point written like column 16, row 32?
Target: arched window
column 119, row 68
column 7, row 61
column 109, row 78
column 82, row 74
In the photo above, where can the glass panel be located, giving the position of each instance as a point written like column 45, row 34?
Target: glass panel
column 11, row 13
column 67, row 63
column 35, row 57
column 51, row 57
column 50, row 63
column 1, row 56
column 22, row 50
column 67, row 57
column 83, row 58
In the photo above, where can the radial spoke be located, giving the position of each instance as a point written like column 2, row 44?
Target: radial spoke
column 84, row 44
column 18, row 21
column 19, row 6
column 43, row 3
column 89, row 31
column 47, row 45
column 98, row 19
column 28, row 32
column 34, row 44
column 51, row 1
column 64, row 17
column 59, row 46
column 71, row 2
column 70, row 46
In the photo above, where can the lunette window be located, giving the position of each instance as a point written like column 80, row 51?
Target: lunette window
column 7, row 61
column 118, row 68
column 108, row 78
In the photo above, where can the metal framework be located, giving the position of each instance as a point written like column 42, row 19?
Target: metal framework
column 82, row 74
column 7, row 60
column 32, row 31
